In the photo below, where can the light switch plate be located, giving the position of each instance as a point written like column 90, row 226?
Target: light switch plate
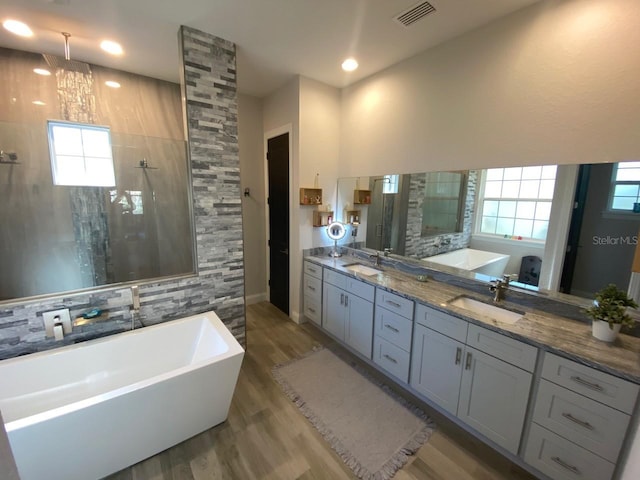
column 50, row 320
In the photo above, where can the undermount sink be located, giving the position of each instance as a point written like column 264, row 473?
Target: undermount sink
column 497, row 313
column 362, row 269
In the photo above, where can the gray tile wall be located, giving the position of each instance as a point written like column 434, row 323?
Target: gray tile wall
column 418, row 246
column 211, row 110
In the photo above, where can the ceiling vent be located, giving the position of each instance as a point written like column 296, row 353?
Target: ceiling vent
column 415, row 13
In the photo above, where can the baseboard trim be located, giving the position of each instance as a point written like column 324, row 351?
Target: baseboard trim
column 297, row 318
column 256, row 298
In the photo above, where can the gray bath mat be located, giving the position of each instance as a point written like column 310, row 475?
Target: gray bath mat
column 372, row 429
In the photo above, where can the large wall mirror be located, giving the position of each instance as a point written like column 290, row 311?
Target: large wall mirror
column 488, row 222
column 94, row 177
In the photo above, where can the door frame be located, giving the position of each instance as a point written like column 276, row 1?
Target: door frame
column 276, row 132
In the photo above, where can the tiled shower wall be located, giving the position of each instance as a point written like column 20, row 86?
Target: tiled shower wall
column 211, row 110
column 418, row 246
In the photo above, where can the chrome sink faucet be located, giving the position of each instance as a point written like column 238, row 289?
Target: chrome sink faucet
column 376, row 258
column 499, row 287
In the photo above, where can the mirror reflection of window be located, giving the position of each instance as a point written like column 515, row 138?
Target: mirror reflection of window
column 81, row 155
column 516, row 202
column 625, row 189
column 129, row 201
column 390, row 184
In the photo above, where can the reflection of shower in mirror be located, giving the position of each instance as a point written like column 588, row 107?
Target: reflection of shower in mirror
column 8, row 157
column 144, row 163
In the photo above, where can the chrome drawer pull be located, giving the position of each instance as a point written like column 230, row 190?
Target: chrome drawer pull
column 394, row 304
column 313, row 289
column 592, row 386
column 458, row 355
column 564, row 464
column 467, row 365
column 311, row 310
column 311, row 269
column 346, row 300
column 342, row 299
column 584, row 424
column 393, row 329
column 391, row 359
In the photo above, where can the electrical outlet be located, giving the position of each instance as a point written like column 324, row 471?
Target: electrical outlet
column 57, row 316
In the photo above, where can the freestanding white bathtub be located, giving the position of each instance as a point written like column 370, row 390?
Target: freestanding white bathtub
column 87, row 410
column 472, row 260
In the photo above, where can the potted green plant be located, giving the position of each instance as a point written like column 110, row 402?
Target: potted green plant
column 609, row 312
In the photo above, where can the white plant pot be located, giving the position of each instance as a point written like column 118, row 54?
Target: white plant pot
column 601, row 330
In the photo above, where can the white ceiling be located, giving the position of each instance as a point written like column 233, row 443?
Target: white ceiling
column 276, row 39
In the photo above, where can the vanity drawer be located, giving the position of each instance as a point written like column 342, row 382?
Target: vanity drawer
column 505, row 348
column 313, row 269
column 441, row 322
column 589, row 424
column 600, row 386
column 313, row 309
column 334, row 278
column 393, row 359
column 361, row 289
column 312, row 287
column 395, row 303
column 393, row 327
column 562, row 460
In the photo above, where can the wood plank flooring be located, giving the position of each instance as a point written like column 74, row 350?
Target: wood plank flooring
column 266, row 437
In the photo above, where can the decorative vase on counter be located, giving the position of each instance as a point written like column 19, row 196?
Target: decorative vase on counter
column 601, row 330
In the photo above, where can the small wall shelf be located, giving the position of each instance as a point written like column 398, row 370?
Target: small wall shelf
column 352, row 216
column 310, row 196
column 322, row 218
column 362, row 197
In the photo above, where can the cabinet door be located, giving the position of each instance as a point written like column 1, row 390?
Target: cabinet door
column 333, row 310
column 436, row 367
column 359, row 324
column 493, row 398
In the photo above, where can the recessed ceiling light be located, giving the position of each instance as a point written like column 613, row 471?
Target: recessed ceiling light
column 19, row 28
column 109, row 46
column 349, row 65
column 40, row 103
column 42, row 71
column 112, row 84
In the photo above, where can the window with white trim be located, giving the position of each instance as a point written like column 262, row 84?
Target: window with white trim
column 515, row 202
column 81, row 155
column 625, row 186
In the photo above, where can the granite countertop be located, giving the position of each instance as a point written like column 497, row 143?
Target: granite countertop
column 566, row 337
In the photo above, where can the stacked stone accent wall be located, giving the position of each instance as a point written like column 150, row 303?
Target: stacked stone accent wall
column 209, row 86
column 418, row 246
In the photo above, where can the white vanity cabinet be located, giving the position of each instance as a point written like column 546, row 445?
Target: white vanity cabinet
column 437, row 354
column 312, row 290
column 347, row 310
column 580, row 419
column 462, row 368
column 393, row 328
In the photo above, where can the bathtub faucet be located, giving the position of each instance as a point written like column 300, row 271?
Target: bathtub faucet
column 499, row 287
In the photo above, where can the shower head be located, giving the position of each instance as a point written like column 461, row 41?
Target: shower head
column 66, row 63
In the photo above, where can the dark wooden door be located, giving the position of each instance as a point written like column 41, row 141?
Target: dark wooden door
column 278, row 161
column 573, row 240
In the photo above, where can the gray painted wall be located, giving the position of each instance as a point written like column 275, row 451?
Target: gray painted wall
column 607, row 259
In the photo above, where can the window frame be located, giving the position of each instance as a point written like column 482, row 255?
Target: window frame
column 612, row 191
column 53, row 157
column 479, row 206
